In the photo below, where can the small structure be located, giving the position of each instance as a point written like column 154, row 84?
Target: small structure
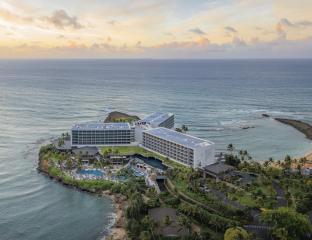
column 87, row 153
column 117, row 159
column 306, row 170
column 217, row 170
column 167, row 229
column 63, row 146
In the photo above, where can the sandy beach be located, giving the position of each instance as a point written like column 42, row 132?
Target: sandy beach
column 308, row 155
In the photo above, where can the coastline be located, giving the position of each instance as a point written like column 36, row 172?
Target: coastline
column 117, row 231
column 308, row 155
column 301, row 126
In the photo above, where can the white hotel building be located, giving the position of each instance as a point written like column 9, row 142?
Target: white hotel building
column 182, row 148
column 102, row 134
column 153, row 133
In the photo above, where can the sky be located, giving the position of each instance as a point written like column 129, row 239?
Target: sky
column 156, row 29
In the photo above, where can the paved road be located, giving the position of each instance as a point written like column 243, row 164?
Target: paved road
column 280, row 195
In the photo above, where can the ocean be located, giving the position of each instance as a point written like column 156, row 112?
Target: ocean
column 220, row 100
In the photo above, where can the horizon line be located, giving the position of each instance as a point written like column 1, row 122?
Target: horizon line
column 157, row 59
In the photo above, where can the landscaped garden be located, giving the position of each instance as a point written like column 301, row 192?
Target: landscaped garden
column 203, row 207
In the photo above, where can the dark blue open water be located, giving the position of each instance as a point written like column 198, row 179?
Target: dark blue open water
column 41, row 99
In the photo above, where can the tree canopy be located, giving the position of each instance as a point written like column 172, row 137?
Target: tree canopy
column 287, row 224
column 236, row 233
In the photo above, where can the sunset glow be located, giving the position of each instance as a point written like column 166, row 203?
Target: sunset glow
column 155, row 29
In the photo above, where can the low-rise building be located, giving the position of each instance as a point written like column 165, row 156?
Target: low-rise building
column 86, row 152
column 182, row 148
column 217, row 170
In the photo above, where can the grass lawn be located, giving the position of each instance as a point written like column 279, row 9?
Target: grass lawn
column 182, row 187
column 131, row 150
column 245, row 199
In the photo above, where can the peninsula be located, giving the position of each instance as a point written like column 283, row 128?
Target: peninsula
column 168, row 184
column 120, row 117
column 301, row 126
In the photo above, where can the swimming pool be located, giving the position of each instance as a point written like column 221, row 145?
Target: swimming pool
column 156, row 163
column 137, row 173
column 94, row 172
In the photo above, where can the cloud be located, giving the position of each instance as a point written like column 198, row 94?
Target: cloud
column 112, row 22
column 230, row 29
column 13, row 17
column 200, row 48
column 238, row 42
column 285, row 22
column 197, row 31
column 199, row 43
column 305, row 23
column 280, row 31
column 61, row 20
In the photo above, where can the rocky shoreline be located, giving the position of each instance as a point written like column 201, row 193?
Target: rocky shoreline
column 117, row 231
column 301, row 126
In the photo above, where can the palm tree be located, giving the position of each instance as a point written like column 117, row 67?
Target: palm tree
column 184, row 128
column 79, row 164
column 186, row 223
column 230, row 148
column 69, row 164
column 150, row 224
column 178, row 129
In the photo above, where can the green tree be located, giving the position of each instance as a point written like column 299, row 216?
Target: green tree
column 136, row 206
column 178, row 129
column 230, row 147
column 61, row 142
column 134, row 228
column 145, row 235
column 236, row 233
column 167, row 220
column 232, row 160
column 150, row 225
column 69, row 164
column 184, row 128
column 287, row 162
column 186, row 223
column 287, row 223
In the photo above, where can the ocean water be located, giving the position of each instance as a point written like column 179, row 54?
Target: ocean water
column 40, row 99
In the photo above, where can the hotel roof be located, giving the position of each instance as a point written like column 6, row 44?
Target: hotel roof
column 156, row 118
column 179, row 138
column 101, row 126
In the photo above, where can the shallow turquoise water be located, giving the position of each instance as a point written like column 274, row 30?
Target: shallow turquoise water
column 41, row 99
